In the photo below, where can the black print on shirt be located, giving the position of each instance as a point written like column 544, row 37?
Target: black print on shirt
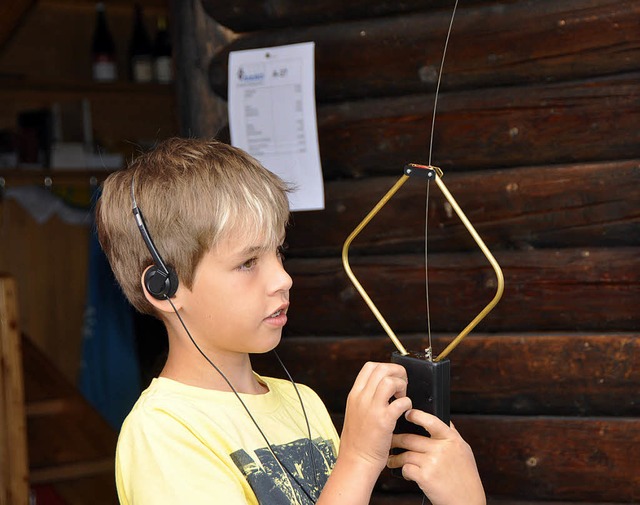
column 272, row 486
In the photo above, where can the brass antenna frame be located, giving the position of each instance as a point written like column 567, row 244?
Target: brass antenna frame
column 430, row 173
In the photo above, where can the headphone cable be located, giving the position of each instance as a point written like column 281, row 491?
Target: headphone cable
column 306, row 420
column 235, row 392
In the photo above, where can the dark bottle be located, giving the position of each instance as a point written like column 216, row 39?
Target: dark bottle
column 140, row 58
column 162, row 61
column 103, row 50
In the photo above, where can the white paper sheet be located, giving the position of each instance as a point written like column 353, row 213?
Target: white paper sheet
column 272, row 116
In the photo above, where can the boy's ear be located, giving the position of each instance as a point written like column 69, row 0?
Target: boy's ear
column 160, row 305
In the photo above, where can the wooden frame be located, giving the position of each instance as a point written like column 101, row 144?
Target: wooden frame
column 14, row 470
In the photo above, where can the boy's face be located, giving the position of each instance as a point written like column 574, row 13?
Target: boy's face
column 239, row 299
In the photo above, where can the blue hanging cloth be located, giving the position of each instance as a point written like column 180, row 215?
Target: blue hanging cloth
column 110, row 371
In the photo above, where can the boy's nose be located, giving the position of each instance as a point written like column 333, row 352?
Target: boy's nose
column 282, row 280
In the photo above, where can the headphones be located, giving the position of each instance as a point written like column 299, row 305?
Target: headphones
column 160, row 280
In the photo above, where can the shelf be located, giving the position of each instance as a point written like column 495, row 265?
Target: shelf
column 150, row 6
column 16, row 84
column 49, row 178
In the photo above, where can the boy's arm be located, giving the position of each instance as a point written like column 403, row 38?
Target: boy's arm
column 370, row 418
column 443, row 466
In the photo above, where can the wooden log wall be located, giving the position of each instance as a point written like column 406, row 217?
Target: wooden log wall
column 538, row 133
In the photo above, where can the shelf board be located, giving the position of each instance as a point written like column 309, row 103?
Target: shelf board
column 149, row 6
column 57, row 177
column 15, row 84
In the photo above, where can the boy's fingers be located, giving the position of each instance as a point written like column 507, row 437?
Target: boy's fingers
column 373, row 373
column 410, row 442
column 389, row 387
column 431, row 423
column 383, row 370
column 399, row 406
column 364, row 376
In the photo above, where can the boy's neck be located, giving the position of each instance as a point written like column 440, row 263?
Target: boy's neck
column 186, row 365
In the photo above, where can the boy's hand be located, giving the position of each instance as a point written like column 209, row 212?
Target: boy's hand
column 443, row 465
column 377, row 399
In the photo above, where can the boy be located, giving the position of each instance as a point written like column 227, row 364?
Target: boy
column 209, row 429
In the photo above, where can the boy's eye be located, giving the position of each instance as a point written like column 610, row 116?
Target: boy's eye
column 249, row 264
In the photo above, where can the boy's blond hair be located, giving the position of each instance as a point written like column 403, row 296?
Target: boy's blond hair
column 193, row 193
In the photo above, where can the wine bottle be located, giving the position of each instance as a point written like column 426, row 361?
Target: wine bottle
column 140, row 58
column 162, row 61
column 103, row 50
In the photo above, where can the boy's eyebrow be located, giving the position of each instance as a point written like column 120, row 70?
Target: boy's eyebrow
column 251, row 250
column 257, row 248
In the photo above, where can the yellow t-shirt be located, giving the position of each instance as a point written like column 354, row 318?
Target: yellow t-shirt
column 182, row 444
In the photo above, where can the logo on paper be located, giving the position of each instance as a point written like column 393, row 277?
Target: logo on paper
column 251, row 74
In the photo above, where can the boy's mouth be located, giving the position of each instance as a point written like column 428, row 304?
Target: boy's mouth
column 280, row 314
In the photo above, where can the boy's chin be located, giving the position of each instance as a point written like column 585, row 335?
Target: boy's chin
column 269, row 345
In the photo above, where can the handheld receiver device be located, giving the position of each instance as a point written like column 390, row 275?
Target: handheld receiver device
column 428, row 387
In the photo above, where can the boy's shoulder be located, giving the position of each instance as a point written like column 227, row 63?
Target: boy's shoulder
column 167, row 397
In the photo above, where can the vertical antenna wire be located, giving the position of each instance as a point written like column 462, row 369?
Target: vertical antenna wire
column 435, row 100
column 429, row 350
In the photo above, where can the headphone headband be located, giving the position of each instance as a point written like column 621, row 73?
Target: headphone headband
column 161, row 280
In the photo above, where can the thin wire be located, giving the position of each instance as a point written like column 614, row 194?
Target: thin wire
column 287, row 471
column 429, row 351
column 426, row 272
column 306, row 420
column 435, row 100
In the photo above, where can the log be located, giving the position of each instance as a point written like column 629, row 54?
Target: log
column 246, row 15
column 382, row 498
column 549, row 458
column 196, row 39
column 582, row 205
column 569, row 289
column 490, row 45
column 512, row 374
column 488, row 128
column 485, row 128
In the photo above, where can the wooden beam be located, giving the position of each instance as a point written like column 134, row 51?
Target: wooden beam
column 547, row 458
column 247, row 15
column 485, row 128
column 381, row 498
column 518, row 43
column 575, row 459
column 581, row 205
column 14, row 470
column 197, row 37
column 490, row 128
column 513, row 374
column 568, row 289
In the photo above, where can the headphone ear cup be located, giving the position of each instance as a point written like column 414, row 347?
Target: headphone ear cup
column 159, row 284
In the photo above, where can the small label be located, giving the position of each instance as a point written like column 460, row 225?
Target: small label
column 164, row 69
column 104, row 70
column 142, row 70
